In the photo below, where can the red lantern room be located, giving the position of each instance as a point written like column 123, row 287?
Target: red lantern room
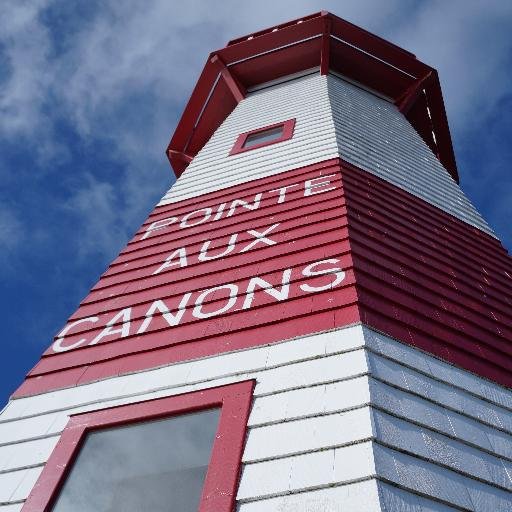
column 314, row 317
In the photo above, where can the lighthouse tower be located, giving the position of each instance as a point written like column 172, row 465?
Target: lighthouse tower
column 313, row 318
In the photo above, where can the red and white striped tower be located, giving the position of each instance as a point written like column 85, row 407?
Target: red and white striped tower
column 315, row 277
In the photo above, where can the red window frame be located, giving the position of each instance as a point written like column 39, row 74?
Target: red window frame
column 221, row 481
column 288, row 127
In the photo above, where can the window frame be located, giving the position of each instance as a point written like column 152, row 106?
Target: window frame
column 288, row 129
column 221, row 480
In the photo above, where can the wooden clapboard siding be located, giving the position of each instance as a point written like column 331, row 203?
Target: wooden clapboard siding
column 373, row 135
column 305, row 99
column 412, row 271
column 354, row 397
column 427, row 278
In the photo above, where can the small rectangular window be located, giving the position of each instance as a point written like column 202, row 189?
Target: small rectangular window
column 264, row 136
column 180, row 452
column 270, row 135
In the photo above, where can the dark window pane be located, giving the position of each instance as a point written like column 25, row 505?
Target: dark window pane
column 264, row 136
column 153, row 466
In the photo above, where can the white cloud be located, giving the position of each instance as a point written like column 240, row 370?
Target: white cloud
column 25, row 47
column 157, row 48
column 468, row 42
column 100, row 224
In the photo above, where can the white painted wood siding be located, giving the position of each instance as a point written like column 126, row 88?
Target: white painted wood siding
column 319, row 385
column 339, row 419
column 375, row 136
column 306, row 99
column 439, row 431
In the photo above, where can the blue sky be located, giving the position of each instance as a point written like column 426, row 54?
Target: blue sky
column 90, row 92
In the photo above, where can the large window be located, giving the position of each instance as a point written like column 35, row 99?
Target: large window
column 264, row 136
column 144, row 466
column 179, row 453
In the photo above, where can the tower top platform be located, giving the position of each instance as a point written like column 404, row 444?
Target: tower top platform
column 321, row 42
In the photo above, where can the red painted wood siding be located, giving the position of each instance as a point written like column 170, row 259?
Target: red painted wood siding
column 310, row 228
column 428, row 279
column 412, row 271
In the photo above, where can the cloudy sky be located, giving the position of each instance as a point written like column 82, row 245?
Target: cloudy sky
column 90, row 92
